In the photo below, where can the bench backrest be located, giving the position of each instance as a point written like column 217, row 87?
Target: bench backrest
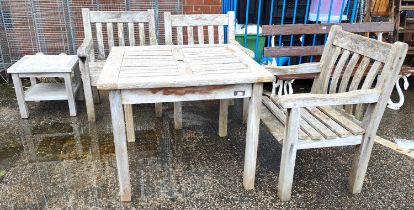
column 310, row 29
column 348, row 57
column 141, row 19
column 211, row 22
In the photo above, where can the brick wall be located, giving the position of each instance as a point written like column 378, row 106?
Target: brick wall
column 202, row 6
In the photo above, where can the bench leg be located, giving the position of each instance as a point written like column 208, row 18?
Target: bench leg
column 245, row 109
column 118, row 124
column 158, row 109
column 178, row 115
column 224, row 109
column 287, row 163
column 18, row 88
column 129, row 122
column 252, row 137
column 70, row 95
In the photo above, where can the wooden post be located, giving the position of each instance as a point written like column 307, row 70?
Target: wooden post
column 178, row 115
column 118, row 124
column 245, row 109
column 287, row 163
column 252, row 136
column 129, row 122
column 70, row 95
column 18, row 88
column 158, row 109
column 224, row 111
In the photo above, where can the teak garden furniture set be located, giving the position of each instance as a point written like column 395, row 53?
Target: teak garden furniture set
column 353, row 82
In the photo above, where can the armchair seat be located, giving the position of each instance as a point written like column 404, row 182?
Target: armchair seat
column 325, row 126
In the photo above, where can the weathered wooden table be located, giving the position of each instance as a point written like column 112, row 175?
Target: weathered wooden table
column 39, row 65
column 168, row 73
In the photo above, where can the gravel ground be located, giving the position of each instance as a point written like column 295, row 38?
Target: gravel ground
column 54, row 161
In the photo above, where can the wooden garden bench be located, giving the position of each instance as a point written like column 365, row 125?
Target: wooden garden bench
column 344, row 107
column 203, row 29
column 91, row 66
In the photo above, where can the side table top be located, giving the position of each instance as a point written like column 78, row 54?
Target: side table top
column 44, row 64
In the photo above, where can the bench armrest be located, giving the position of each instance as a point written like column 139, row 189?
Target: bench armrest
column 85, row 49
column 305, row 68
column 336, row 99
column 249, row 52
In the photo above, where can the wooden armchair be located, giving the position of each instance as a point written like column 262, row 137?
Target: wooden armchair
column 355, row 80
column 91, row 67
column 214, row 23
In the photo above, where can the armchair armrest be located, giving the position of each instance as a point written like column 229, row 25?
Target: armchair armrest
column 245, row 50
column 311, row 100
column 305, row 68
column 85, row 49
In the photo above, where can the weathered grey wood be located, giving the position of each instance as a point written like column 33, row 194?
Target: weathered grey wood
column 121, row 39
column 86, row 81
column 245, row 109
column 304, row 68
column 131, row 34
column 44, row 64
column 99, row 37
column 342, row 120
column 70, row 94
column 390, row 72
column 168, row 28
column 158, row 109
column 224, row 108
column 151, row 28
column 318, row 125
column 87, row 30
column 190, row 35
column 18, row 88
column 129, row 123
column 119, row 16
column 356, row 79
column 110, row 32
column 141, row 31
column 197, row 20
column 178, row 115
column 252, row 137
column 33, row 81
column 338, row 71
column 200, row 33
column 210, row 34
column 180, row 39
column 348, row 72
column 118, row 124
column 287, row 163
column 331, row 124
column 230, row 28
column 221, row 34
column 95, row 95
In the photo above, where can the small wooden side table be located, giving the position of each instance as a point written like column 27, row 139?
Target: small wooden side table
column 39, row 65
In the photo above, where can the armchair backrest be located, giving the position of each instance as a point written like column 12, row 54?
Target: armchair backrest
column 214, row 23
column 352, row 62
column 131, row 19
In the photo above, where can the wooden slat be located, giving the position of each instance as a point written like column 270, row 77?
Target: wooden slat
column 293, row 51
column 141, row 34
column 299, row 29
column 168, row 28
column 199, row 20
column 131, row 34
column 99, row 38
column 190, row 35
column 180, row 38
column 119, row 17
column 152, row 35
column 338, row 70
column 276, row 128
column 110, row 32
column 221, row 34
column 364, row 46
column 327, row 68
column 342, row 120
column 200, row 30
column 316, row 124
column 331, row 124
column 211, row 34
column 348, row 72
column 356, row 79
column 121, row 34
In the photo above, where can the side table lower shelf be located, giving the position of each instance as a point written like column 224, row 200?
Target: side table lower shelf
column 48, row 92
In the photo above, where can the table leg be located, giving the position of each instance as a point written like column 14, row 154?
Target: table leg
column 18, row 88
column 224, row 110
column 70, row 94
column 178, row 115
column 245, row 109
column 129, row 122
column 252, row 136
column 118, row 124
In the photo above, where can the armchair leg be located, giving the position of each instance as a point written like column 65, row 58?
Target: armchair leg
column 360, row 164
column 287, row 163
column 87, row 90
column 158, row 109
column 178, row 115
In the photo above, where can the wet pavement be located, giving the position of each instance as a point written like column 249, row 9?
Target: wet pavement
column 55, row 161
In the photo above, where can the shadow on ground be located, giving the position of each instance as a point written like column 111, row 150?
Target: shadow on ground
column 54, row 161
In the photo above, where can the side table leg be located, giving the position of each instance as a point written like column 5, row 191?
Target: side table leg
column 252, row 137
column 70, row 94
column 18, row 88
column 224, row 111
column 118, row 124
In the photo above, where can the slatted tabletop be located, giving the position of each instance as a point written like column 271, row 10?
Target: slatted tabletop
column 179, row 66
